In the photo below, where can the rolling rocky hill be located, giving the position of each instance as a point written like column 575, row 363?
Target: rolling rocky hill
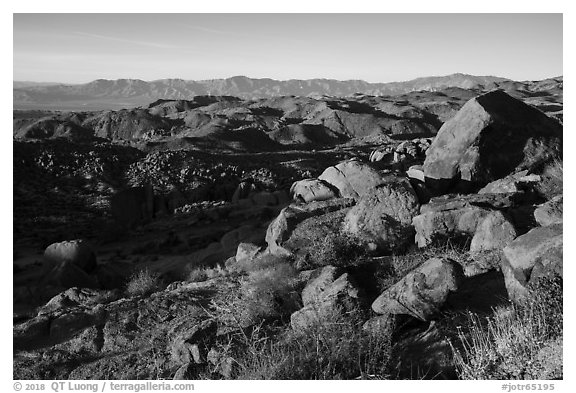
column 268, row 124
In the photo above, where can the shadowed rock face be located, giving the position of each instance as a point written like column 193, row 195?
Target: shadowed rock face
column 133, row 206
column 491, row 137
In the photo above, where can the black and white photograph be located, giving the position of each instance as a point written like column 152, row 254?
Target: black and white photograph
column 287, row 196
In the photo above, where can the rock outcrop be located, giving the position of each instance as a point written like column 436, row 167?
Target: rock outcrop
column 535, row 254
column 492, row 136
column 282, row 226
column 383, row 219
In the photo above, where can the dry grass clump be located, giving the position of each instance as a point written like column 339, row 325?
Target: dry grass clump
column 516, row 342
column 203, row 273
column 335, row 249
column 337, row 348
column 401, row 265
column 260, row 262
column 551, row 183
column 267, row 292
column 143, row 283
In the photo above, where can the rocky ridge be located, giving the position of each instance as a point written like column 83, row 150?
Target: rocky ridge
column 228, row 247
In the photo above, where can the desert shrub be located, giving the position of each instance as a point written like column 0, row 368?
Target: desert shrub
column 398, row 266
column 266, row 293
column 203, row 273
column 336, row 249
column 515, row 342
column 546, row 297
column 337, row 348
column 262, row 261
column 551, row 183
column 143, row 283
column 311, row 234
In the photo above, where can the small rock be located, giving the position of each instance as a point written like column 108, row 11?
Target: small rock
column 246, row 251
column 321, row 279
column 341, row 296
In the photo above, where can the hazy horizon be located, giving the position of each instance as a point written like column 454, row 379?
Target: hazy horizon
column 377, row 48
column 248, row 76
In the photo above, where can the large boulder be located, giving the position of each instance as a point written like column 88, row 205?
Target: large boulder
column 422, row 292
column 352, row 178
column 492, row 136
column 309, row 190
column 133, row 206
column 383, row 219
column 535, row 254
column 550, row 212
column 75, row 252
column 283, row 225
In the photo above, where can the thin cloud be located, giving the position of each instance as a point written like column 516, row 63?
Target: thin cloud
column 214, row 31
column 128, row 41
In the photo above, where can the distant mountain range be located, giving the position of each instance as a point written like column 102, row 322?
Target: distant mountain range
column 113, row 94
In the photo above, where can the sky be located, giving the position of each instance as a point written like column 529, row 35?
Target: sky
column 79, row 48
